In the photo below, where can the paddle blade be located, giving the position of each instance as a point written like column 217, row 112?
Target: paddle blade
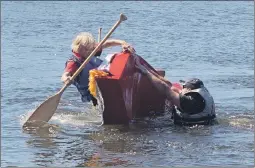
column 45, row 111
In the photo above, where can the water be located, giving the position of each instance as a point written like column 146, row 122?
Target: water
column 209, row 40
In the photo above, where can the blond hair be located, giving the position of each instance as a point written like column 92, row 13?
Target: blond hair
column 83, row 43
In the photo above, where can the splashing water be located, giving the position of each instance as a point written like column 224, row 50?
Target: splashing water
column 93, row 115
column 100, row 101
column 243, row 121
column 24, row 117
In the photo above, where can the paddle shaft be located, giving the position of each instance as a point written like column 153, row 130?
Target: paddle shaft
column 122, row 18
column 99, row 34
column 46, row 110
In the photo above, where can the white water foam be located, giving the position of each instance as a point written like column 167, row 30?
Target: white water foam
column 78, row 119
column 243, row 121
column 24, row 117
column 92, row 115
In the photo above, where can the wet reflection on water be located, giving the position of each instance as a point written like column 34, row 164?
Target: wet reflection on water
column 112, row 145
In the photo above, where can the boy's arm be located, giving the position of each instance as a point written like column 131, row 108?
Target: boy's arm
column 112, row 43
column 70, row 69
column 66, row 78
column 115, row 42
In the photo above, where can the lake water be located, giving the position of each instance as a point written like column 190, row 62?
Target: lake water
column 213, row 41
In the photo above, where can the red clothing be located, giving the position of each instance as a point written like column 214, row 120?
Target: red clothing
column 178, row 86
column 72, row 67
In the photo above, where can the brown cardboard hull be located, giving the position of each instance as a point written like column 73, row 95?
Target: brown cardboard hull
column 128, row 94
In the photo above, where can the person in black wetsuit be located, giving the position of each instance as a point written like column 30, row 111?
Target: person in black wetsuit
column 193, row 102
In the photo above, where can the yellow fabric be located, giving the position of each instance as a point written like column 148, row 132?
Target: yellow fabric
column 92, row 80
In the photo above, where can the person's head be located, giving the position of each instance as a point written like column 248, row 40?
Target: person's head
column 84, row 43
column 193, row 83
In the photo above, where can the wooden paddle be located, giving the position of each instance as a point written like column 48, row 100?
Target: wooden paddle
column 45, row 111
column 99, row 34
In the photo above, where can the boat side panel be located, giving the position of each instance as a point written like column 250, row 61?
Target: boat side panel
column 114, row 107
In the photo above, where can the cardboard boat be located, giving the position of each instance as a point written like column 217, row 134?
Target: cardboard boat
column 128, row 94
